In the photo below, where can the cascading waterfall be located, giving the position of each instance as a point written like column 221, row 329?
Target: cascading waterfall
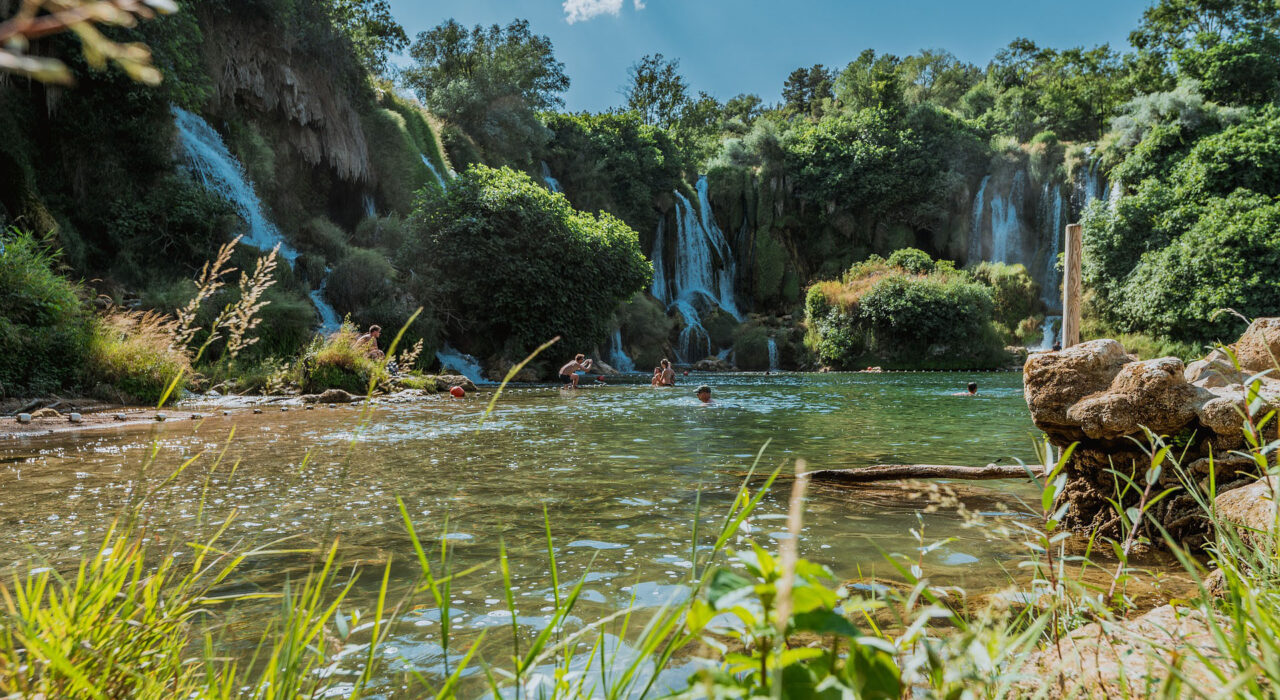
column 1113, row 197
column 462, row 363
column 1051, row 216
column 210, row 162
column 1049, row 328
column 329, row 321
column 618, row 356
column 659, row 269
column 773, row 355
column 370, row 208
column 444, row 184
column 1006, row 227
column 728, row 266
column 552, row 183
column 975, row 229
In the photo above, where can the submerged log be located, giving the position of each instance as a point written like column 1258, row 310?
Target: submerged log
column 891, row 472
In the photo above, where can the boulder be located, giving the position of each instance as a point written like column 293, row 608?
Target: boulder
column 335, row 396
column 445, row 382
column 498, row 369
column 712, row 364
column 24, row 418
column 1153, row 393
column 1131, row 658
column 1215, row 370
column 1258, row 349
column 46, row 413
column 1251, row 509
column 1055, row 381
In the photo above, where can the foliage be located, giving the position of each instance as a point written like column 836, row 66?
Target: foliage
column 912, row 260
column 373, row 32
column 338, row 362
column 133, row 353
column 491, row 82
column 656, row 91
column 886, row 316
column 45, row 328
column 807, row 91
column 511, row 265
column 751, row 347
column 33, row 19
column 647, row 327
column 1015, row 296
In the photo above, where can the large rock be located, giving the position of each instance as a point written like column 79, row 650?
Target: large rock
column 1258, row 349
column 1251, row 509
column 1153, row 393
column 329, row 396
column 1131, row 658
column 445, row 382
column 1055, row 381
column 712, row 364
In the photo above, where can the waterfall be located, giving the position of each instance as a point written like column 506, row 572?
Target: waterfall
column 329, row 321
column 461, row 363
column 209, row 161
column 1049, row 328
column 773, row 355
column 659, row 271
column 728, row 266
column 618, row 356
column 1113, row 197
column 975, row 229
column 444, row 184
column 1006, row 226
column 370, row 208
column 693, row 332
column 552, row 183
column 1051, row 218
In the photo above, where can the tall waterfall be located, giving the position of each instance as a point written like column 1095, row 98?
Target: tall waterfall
column 704, row 271
column 209, row 160
column 329, row 320
column 618, row 356
column 659, row 267
column 1006, row 227
column 975, row 229
column 773, row 355
column 462, row 363
column 444, row 184
column 1051, row 218
column 552, row 183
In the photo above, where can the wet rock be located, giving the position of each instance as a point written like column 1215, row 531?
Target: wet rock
column 257, row 411
column 334, row 396
column 309, row 407
column 75, row 418
column 1251, row 509
column 46, row 413
column 1127, row 658
column 226, row 413
column 196, row 416
column 1055, row 381
column 283, row 409
column 712, row 364
column 120, row 416
column 333, row 405
column 160, row 417
column 24, row 418
column 445, row 382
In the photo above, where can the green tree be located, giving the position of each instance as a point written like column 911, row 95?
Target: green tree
column 871, row 81
column 657, row 91
column 373, row 31
column 1170, row 25
column 807, row 90
column 509, row 265
column 490, row 81
column 744, row 107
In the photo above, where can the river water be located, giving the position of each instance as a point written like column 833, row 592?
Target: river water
column 618, row 468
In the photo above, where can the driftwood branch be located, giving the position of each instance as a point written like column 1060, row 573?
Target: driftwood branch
column 891, row 472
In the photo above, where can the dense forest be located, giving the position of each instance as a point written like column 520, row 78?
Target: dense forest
column 902, row 211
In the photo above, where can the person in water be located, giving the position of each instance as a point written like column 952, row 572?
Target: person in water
column 668, row 373
column 704, row 395
column 972, row 390
column 657, row 377
column 569, row 373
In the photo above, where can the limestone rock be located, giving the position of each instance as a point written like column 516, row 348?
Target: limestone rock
column 334, row 396
column 712, row 364
column 1259, row 348
column 1252, row 508
column 1153, row 393
column 1129, row 658
column 446, row 382
column 1055, row 381
column 75, row 418
column 24, row 418
column 1215, row 370
column 46, row 413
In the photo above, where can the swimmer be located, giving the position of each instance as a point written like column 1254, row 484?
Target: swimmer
column 656, row 380
column 704, row 395
column 668, row 373
column 973, row 390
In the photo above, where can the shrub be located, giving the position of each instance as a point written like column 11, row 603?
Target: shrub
column 514, row 265
column 323, row 235
column 1014, row 294
column 646, row 327
column 335, row 362
column 912, row 260
column 751, row 347
column 133, row 353
column 45, row 328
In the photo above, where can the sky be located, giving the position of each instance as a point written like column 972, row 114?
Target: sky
column 728, row 47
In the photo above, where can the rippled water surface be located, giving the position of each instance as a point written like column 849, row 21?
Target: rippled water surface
column 618, row 468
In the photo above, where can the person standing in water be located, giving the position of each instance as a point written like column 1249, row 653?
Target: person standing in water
column 704, row 395
column 569, row 373
column 668, row 373
column 657, row 377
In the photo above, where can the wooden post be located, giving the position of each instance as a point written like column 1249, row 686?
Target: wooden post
column 1071, row 286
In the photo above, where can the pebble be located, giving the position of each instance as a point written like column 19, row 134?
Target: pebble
column 333, row 405
column 24, row 418
column 120, row 416
column 283, row 409
column 160, row 416
column 74, row 417
column 196, row 416
column 309, row 407
column 226, row 413
column 257, row 410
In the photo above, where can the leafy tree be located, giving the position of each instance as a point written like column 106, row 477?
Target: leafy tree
column 657, row 91
column 871, row 81
column 1243, row 70
column 806, row 90
column 938, row 77
column 744, row 107
column 1170, row 25
column 509, row 265
column 490, row 81
column 373, row 31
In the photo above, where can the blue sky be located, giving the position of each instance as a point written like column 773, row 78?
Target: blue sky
column 728, row 47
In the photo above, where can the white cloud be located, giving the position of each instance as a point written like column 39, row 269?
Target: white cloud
column 639, row 4
column 582, row 10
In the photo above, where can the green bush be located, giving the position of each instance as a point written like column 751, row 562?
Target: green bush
column 1015, row 295
column 132, row 353
column 322, row 235
column 751, row 347
column 912, row 260
column 335, row 362
column 513, row 265
column 646, row 327
column 45, row 328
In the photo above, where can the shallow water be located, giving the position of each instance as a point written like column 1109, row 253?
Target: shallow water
column 618, row 468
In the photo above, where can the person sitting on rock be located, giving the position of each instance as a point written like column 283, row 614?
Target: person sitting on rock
column 569, row 373
column 369, row 342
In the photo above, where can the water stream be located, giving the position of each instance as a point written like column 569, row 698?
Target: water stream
column 462, row 363
column 618, row 355
column 435, row 172
column 704, row 273
column 774, row 364
column 552, row 183
column 208, row 159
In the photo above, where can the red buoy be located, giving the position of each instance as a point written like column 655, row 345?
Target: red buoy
column 457, row 392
